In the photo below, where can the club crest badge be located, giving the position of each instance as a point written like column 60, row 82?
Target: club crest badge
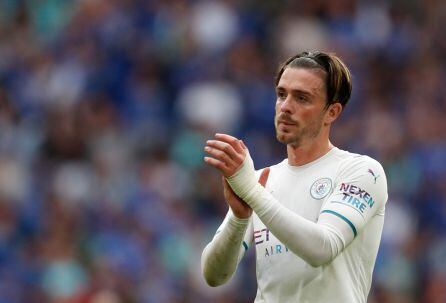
column 321, row 188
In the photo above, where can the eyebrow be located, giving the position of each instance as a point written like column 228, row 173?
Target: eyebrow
column 296, row 91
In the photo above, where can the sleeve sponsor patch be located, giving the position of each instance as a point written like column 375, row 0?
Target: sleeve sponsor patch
column 356, row 197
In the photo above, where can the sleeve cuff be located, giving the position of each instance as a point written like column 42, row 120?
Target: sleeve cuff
column 238, row 222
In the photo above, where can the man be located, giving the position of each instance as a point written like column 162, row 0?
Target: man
column 316, row 217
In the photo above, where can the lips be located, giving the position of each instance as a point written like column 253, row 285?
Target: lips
column 285, row 122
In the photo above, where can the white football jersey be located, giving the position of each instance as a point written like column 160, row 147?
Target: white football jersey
column 346, row 186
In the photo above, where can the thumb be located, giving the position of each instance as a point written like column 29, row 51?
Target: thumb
column 264, row 176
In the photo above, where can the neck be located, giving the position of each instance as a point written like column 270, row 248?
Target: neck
column 306, row 153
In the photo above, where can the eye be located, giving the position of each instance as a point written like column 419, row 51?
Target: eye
column 302, row 98
column 281, row 95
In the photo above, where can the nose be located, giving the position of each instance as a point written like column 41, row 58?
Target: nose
column 285, row 106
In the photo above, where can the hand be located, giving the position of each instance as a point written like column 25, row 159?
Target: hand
column 227, row 153
column 240, row 209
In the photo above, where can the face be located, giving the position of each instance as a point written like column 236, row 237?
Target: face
column 300, row 105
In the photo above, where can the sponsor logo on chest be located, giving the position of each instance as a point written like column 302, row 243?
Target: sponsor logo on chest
column 269, row 248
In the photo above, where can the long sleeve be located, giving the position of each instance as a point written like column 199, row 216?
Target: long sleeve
column 318, row 242
column 221, row 256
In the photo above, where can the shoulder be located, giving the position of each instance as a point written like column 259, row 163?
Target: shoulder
column 352, row 163
column 364, row 173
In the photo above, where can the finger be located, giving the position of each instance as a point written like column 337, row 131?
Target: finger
column 224, row 182
column 243, row 144
column 226, row 185
column 226, row 148
column 233, row 141
column 227, row 188
column 220, row 155
column 217, row 164
column 264, row 176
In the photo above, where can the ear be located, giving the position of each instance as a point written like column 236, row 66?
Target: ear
column 332, row 113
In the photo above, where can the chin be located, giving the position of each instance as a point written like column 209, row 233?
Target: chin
column 286, row 138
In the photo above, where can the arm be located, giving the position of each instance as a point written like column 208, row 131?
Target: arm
column 318, row 242
column 314, row 242
column 221, row 256
column 338, row 224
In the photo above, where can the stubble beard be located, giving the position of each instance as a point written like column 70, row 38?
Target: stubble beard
column 296, row 135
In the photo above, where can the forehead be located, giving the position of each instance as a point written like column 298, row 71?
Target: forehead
column 298, row 78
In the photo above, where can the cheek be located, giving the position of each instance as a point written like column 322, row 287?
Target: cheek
column 311, row 117
column 277, row 109
column 306, row 114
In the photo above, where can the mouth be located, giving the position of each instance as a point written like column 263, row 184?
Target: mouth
column 285, row 122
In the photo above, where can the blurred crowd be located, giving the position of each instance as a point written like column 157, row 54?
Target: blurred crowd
column 105, row 106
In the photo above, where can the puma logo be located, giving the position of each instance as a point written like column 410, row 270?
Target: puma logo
column 373, row 174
